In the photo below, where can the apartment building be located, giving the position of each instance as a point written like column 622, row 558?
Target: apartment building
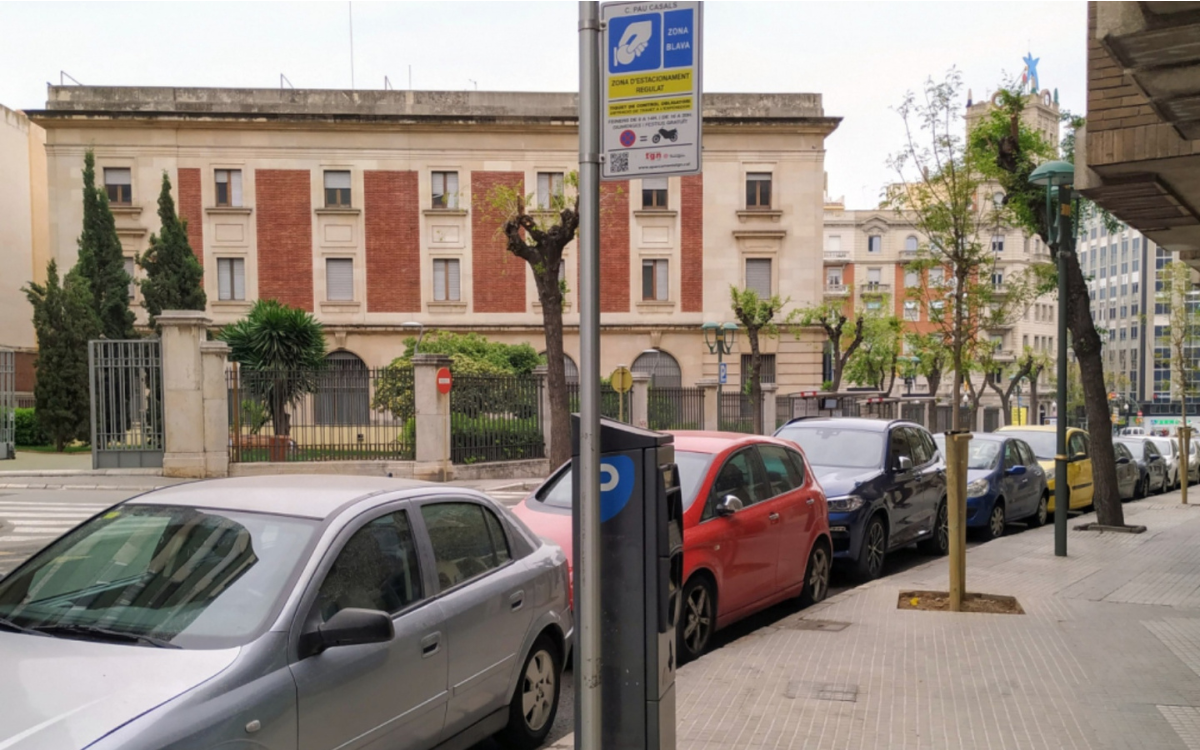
column 373, row 210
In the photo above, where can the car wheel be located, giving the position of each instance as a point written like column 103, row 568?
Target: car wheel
column 1039, row 518
column 995, row 527
column 938, row 543
column 535, row 701
column 1140, row 490
column 698, row 620
column 873, row 551
column 816, row 577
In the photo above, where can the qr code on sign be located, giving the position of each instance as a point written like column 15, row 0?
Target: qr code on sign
column 619, row 161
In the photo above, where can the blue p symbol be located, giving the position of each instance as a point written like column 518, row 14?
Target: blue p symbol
column 616, row 485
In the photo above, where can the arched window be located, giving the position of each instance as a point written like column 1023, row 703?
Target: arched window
column 910, row 243
column 343, row 391
column 662, row 368
column 569, row 367
column 998, row 199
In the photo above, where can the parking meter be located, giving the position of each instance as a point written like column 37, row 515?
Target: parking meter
column 641, row 577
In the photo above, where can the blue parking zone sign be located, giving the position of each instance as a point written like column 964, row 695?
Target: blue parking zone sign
column 723, row 373
column 636, row 43
column 616, row 485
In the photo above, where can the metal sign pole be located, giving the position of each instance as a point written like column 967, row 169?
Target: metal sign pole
column 587, row 570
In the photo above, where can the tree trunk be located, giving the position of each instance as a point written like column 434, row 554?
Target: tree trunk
column 1086, row 343
column 1033, row 398
column 550, row 295
column 755, row 381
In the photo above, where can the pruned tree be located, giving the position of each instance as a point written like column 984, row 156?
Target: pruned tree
column 102, row 261
column 1181, row 337
column 64, row 322
column 930, row 355
column 758, row 317
column 843, row 341
column 1009, row 151
column 1006, row 378
column 538, row 236
column 174, row 276
column 877, row 359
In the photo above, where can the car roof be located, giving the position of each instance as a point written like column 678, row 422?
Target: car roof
column 309, row 495
column 854, row 423
column 1035, row 428
column 703, row 441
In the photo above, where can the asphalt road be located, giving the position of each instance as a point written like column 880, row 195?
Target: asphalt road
column 30, row 519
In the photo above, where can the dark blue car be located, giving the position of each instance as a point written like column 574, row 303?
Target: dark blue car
column 1005, row 483
column 885, row 483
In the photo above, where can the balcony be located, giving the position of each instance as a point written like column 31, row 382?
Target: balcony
column 836, row 290
column 908, row 254
column 837, row 256
column 875, row 287
column 1004, row 355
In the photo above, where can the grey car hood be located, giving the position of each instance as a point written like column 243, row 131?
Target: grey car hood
column 62, row 694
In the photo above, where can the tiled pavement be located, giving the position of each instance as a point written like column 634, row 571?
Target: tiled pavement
column 1106, row 656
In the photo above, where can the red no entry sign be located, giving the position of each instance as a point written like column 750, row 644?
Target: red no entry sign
column 444, row 380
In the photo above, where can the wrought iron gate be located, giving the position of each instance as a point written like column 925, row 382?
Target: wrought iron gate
column 125, row 380
column 8, row 403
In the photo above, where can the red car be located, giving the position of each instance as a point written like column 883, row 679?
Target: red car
column 755, row 528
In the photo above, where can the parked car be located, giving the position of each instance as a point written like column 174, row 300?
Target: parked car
column 1043, row 439
column 286, row 612
column 1128, row 473
column 1169, row 448
column 1005, row 483
column 1132, row 431
column 1193, row 460
column 755, row 528
column 886, row 485
column 1152, row 467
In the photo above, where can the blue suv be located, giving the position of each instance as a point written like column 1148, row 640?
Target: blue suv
column 885, row 482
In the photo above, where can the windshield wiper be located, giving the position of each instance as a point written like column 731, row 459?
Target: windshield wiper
column 9, row 624
column 93, row 632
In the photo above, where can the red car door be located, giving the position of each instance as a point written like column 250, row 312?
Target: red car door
column 745, row 543
column 795, row 508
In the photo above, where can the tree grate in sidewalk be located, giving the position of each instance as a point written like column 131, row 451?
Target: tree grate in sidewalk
column 828, row 626
column 822, row 691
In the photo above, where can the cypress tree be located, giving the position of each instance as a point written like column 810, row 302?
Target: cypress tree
column 64, row 321
column 101, row 261
column 173, row 273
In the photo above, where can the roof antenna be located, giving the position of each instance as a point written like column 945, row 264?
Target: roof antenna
column 284, row 79
column 474, row 83
column 387, row 84
column 64, row 75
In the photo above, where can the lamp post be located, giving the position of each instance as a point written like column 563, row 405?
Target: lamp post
column 719, row 338
column 1058, row 177
column 420, row 334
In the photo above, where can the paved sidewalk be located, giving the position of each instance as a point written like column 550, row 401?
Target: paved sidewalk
column 36, row 461
column 1106, row 656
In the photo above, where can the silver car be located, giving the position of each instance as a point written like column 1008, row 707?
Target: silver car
column 303, row 612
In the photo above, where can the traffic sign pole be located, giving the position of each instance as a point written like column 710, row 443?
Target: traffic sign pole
column 587, row 568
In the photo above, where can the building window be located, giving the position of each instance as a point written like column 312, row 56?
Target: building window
column 875, row 244
column 911, row 244
column 997, row 278
column 874, row 276
column 229, row 188
column 445, row 189
column 874, row 304
column 937, row 276
column 758, row 190
column 655, row 280
column 339, row 279
column 231, row 279
column 833, row 243
column 446, row 286
column 766, row 369
column 343, row 396
column 129, row 269
column 662, row 368
column 833, row 277
column 937, row 309
column 912, row 310
column 997, row 243
column 337, row 189
column 912, row 279
column 549, row 187
column 758, row 276
column 118, row 183
column 654, row 193
column 998, row 199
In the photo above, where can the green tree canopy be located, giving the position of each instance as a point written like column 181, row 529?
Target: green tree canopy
column 174, row 276
column 102, row 261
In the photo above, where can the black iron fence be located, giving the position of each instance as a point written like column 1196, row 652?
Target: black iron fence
column 495, row 418
column 126, row 392
column 334, row 414
column 991, row 418
column 675, row 408
column 735, row 413
column 613, row 405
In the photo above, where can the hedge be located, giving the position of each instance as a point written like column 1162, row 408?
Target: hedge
column 29, row 432
column 484, row 439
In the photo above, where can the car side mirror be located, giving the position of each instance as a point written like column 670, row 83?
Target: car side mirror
column 349, row 627
column 1122, row 461
column 904, row 464
column 1016, row 471
column 729, row 505
column 1079, row 457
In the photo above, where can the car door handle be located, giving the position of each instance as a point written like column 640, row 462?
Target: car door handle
column 430, row 645
column 810, row 501
column 774, row 517
column 516, row 600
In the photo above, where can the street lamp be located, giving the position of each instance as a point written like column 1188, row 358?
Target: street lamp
column 1059, row 177
column 420, row 334
column 719, row 338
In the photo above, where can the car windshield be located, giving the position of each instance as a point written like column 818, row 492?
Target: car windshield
column 1136, row 446
column 692, row 468
column 1041, row 442
column 826, row 445
column 982, row 454
column 150, row 574
column 1165, row 445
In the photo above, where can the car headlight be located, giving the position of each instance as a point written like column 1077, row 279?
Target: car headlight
column 845, row 504
column 978, row 488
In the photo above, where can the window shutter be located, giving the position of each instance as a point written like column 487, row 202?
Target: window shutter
column 758, row 276
column 239, row 277
column 662, row 279
column 118, row 176
column 452, row 280
column 339, row 279
column 335, row 180
column 224, row 278
column 543, row 189
column 439, row 281
column 654, row 183
column 235, row 190
column 452, row 191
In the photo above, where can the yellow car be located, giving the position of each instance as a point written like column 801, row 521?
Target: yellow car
column 1043, row 439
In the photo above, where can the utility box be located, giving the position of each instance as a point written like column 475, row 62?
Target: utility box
column 641, row 572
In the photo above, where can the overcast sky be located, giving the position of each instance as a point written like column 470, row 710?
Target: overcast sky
column 861, row 56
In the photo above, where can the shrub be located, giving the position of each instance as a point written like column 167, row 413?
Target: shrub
column 29, row 432
column 480, row 439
